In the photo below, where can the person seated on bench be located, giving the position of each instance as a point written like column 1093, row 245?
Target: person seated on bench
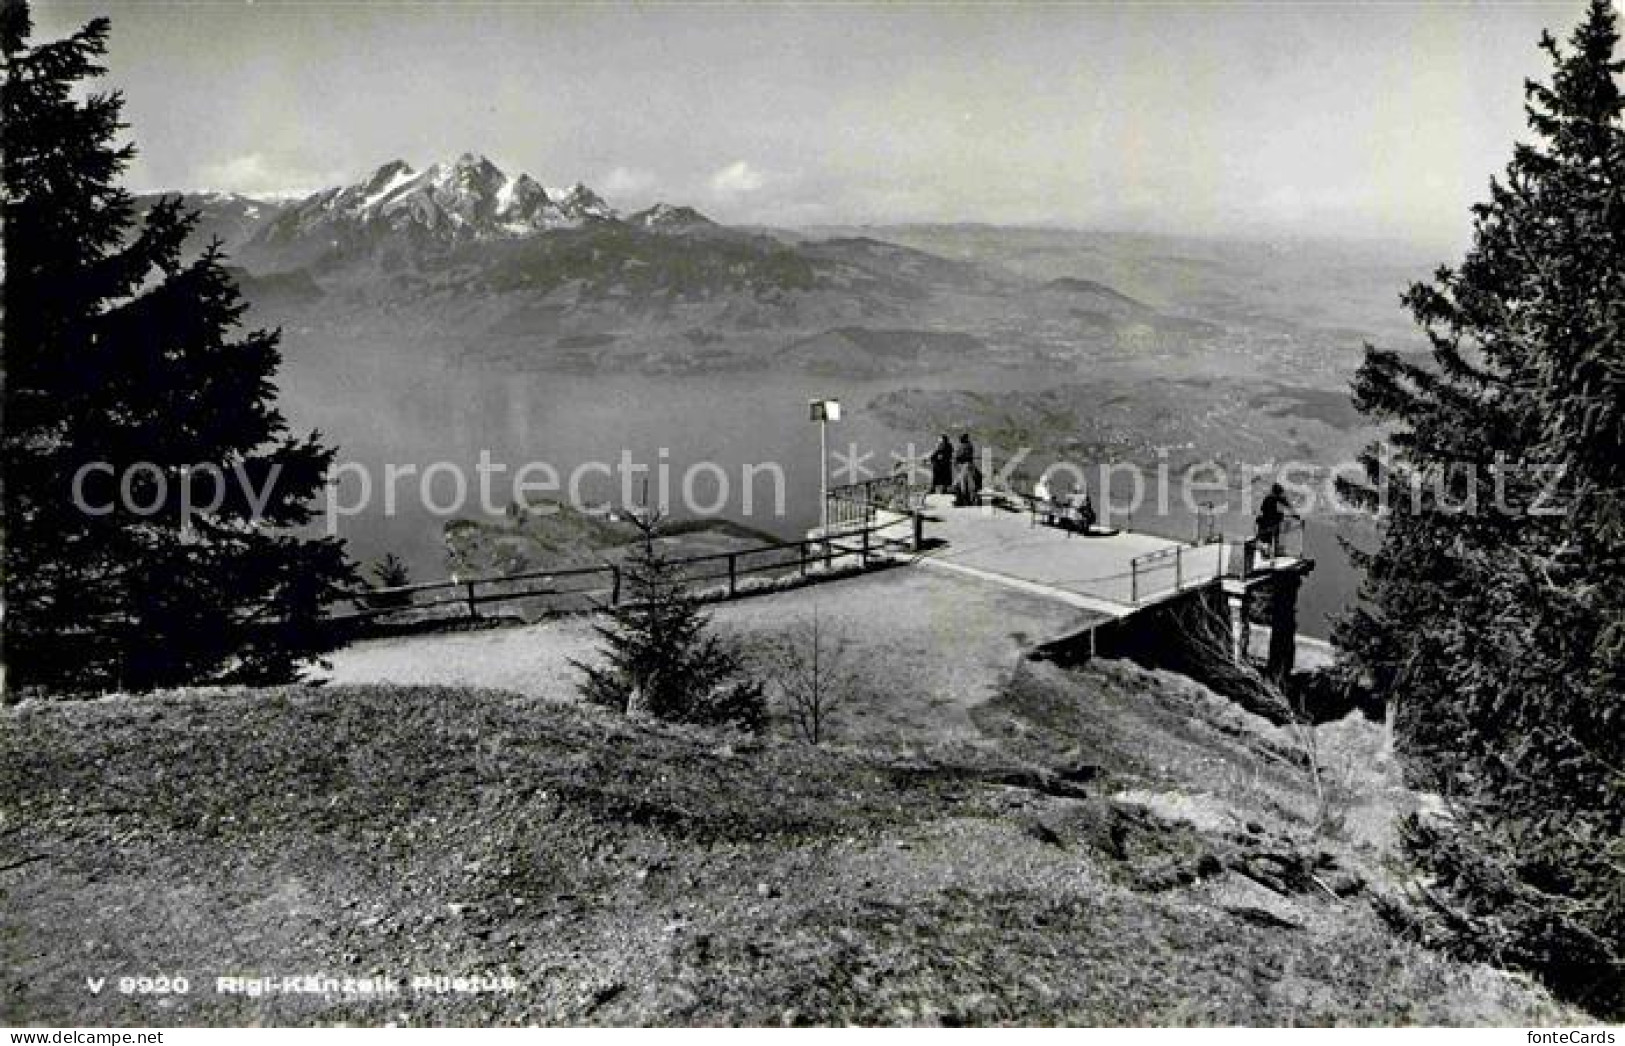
column 1044, row 504
column 1081, row 511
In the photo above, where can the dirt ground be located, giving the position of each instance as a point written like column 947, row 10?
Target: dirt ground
column 917, row 650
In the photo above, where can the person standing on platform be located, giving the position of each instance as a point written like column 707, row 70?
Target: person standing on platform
column 1271, row 516
column 967, row 477
column 942, row 466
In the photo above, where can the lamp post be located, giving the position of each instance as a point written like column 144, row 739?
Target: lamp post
column 823, row 412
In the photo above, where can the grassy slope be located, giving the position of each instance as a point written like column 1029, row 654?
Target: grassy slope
column 632, row 873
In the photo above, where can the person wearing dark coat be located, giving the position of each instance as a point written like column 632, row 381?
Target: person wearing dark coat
column 1272, row 515
column 967, row 477
column 942, row 466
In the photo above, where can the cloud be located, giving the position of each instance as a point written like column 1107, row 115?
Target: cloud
column 255, row 174
column 737, row 177
column 628, row 179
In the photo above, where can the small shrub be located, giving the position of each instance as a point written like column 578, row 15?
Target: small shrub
column 809, row 674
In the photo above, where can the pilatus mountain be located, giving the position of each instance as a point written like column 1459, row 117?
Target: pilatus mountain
column 499, row 269
column 466, row 200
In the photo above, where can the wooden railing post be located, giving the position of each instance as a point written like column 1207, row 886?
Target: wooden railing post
column 733, row 574
column 919, row 529
column 1134, row 581
column 802, row 549
column 473, row 608
column 863, row 557
column 614, row 586
column 1179, row 572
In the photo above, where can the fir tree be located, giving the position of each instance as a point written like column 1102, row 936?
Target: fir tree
column 660, row 659
column 390, row 572
column 1496, row 629
column 122, row 367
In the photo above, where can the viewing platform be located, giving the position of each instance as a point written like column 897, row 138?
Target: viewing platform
column 1112, row 580
column 1109, row 574
column 1095, row 571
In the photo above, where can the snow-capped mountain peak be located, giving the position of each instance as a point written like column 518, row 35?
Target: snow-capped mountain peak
column 470, row 174
column 386, row 181
column 582, row 203
column 665, row 217
column 468, row 198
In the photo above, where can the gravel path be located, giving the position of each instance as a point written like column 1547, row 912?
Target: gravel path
column 920, row 649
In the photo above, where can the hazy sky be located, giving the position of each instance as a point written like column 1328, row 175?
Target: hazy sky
column 1380, row 120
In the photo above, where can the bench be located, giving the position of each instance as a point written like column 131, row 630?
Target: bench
column 1054, row 512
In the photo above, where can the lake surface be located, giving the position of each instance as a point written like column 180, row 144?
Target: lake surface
column 428, row 416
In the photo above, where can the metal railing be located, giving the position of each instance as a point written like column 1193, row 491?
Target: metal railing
column 1176, row 568
column 858, row 503
column 1171, row 569
column 1207, row 525
column 1286, row 543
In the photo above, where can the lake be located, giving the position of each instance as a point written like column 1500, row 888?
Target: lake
column 413, row 412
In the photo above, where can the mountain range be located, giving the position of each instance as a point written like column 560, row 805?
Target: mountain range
column 499, row 269
column 466, row 200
